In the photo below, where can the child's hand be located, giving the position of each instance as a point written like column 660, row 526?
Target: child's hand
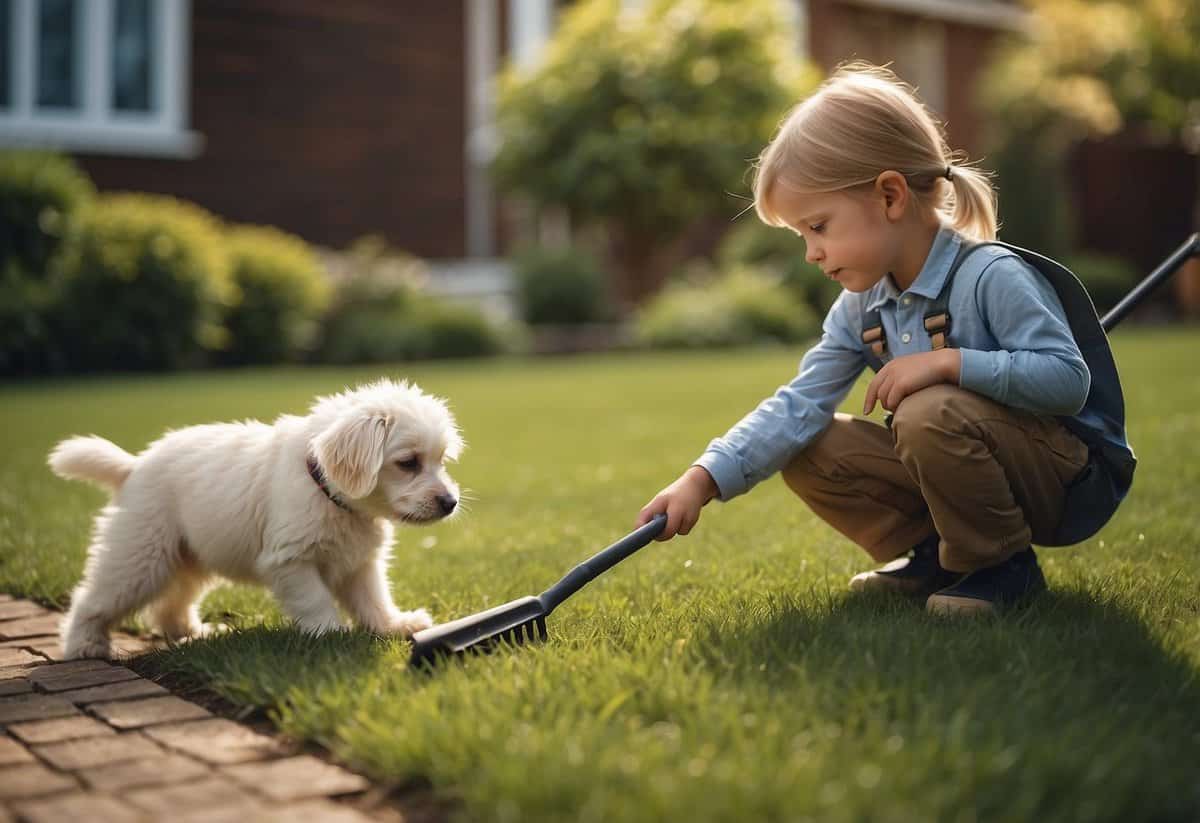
column 908, row 374
column 681, row 502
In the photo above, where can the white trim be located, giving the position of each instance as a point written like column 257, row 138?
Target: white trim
column 94, row 126
column 481, row 57
column 529, row 25
column 987, row 13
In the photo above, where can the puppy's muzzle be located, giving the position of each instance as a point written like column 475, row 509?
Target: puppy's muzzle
column 446, row 503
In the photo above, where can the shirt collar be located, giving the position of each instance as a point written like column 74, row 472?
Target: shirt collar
column 932, row 277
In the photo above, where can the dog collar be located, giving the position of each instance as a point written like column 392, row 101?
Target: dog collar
column 318, row 476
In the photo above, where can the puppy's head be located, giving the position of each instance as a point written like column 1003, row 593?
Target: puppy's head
column 387, row 444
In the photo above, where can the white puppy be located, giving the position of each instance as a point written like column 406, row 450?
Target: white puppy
column 302, row 506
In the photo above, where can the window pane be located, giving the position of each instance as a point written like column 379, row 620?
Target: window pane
column 6, row 53
column 133, row 55
column 58, row 59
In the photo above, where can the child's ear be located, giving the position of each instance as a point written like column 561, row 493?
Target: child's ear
column 892, row 189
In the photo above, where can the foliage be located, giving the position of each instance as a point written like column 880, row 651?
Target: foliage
column 781, row 252
column 284, row 290
column 1107, row 279
column 41, row 198
column 565, row 286
column 146, row 286
column 645, row 119
column 744, row 305
column 381, row 314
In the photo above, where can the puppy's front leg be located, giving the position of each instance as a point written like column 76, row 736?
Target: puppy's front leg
column 365, row 595
column 305, row 597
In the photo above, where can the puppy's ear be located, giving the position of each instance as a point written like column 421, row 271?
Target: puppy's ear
column 350, row 452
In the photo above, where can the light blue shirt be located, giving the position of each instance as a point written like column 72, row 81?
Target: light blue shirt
column 1006, row 320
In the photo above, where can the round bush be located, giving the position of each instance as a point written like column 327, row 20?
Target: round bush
column 424, row 329
column 41, row 196
column 284, row 290
column 560, row 287
column 146, row 286
column 744, row 306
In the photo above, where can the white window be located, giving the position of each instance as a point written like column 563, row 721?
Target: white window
column 104, row 76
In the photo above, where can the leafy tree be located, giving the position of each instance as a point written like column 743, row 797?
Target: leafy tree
column 643, row 121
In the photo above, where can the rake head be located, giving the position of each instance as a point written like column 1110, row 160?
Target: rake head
column 518, row 621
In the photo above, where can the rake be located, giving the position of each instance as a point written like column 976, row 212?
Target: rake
column 524, row 620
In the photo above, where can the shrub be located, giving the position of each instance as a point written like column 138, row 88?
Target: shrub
column 746, row 305
column 284, row 290
column 751, row 242
column 560, row 287
column 145, row 287
column 41, row 198
column 41, row 195
column 1107, row 279
column 380, row 314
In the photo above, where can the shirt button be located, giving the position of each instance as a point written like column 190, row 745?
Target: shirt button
column 907, row 301
column 906, row 337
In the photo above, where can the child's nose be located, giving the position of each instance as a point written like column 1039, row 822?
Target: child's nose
column 813, row 254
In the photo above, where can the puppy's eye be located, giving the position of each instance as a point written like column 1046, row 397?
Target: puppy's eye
column 411, row 464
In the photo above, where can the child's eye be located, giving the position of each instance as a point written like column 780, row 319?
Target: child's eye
column 411, row 464
column 818, row 228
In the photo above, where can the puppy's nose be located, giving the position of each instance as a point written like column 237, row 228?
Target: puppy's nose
column 446, row 502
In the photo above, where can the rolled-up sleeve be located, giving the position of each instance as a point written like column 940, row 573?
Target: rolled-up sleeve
column 1038, row 365
column 766, row 439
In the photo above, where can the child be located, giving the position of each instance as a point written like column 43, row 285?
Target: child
column 1007, row 422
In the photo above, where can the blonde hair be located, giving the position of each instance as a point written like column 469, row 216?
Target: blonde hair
column 861, row 122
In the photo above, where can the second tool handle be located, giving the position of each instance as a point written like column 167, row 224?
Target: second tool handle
column 601, row 562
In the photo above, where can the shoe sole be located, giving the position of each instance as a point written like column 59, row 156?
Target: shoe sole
column 970, row 606
column 874, row 582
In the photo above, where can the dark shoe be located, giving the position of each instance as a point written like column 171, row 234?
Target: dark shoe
column 990, row 590
column 917, row 573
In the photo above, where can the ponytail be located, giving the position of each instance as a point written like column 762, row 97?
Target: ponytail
column 971, row 205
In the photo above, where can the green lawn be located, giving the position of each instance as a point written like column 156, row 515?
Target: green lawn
column 722, row 676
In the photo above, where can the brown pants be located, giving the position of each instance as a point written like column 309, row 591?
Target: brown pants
column 987, row 478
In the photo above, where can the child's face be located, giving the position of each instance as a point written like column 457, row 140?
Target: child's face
column 847, row 234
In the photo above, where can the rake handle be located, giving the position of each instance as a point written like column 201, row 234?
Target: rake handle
column 601, row 562
column 1190, row 248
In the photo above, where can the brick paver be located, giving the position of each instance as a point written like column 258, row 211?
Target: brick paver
column 297, row 778
column 59, row 729
column 133, row 714
column 218, row 741
column 88, row 740
column 31, row 706
column 170, row 768
column 32, row 780
column 79, row 806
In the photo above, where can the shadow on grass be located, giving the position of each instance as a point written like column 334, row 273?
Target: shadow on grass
column 1095, row 718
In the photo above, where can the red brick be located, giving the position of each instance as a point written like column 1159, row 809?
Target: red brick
column 297, row 778
column 21, row 608
column 211, row 792
column 13, row 752
column 48, row 646
column 18, row 657
column 92, row 808
column 96, row 751
column 114, row 691
column 53, row 679
column 32, row 780
column 15, row 686
column 33, row 707
column 169, row 768
column 29, row 626
column 313, row 811
column 217, row 741
column 61, row 728
column 28, row 641
column 133, row 714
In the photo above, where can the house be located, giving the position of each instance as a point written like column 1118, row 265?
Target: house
column 337, row 120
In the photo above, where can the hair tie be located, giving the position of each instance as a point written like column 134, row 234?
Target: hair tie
column 949, row 173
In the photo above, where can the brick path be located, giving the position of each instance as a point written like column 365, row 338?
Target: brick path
column 88, row 740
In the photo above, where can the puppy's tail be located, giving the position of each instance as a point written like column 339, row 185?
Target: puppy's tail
column 92, row 458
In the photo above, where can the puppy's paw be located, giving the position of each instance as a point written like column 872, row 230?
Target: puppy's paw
column 406, row 624
column 91, row 647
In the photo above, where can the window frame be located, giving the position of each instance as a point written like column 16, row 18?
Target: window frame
column 95, row 126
